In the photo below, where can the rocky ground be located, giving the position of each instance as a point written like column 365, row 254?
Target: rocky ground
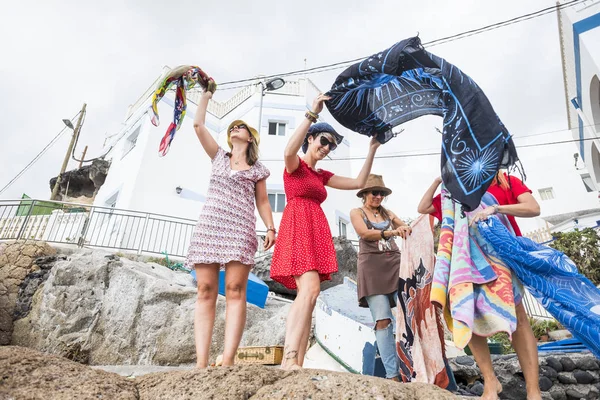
column 563, row 376
column 30, row 374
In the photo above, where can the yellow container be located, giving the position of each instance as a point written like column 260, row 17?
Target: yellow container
column 265, row 355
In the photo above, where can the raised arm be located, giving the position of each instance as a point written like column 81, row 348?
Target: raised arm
column 426, row 203
column 342, row 182
column 206, row 140
column 290, row 154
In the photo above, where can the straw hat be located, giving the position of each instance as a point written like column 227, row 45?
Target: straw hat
column 374, row 182
column 239, row 122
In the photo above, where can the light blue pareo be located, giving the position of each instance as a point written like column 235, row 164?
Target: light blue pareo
column 552, row 278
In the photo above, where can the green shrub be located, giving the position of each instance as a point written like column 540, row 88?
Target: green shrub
column 581, row 246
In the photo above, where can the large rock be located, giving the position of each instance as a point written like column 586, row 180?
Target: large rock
column 555, row 383
column 346, row 259
column 82, row 182
column 98, row 308
column 29, row 374
column 258, row 382
column 17, row 261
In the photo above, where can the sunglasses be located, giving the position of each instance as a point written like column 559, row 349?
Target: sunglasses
column 378, row 193
column 324, row 142
column 242, row 126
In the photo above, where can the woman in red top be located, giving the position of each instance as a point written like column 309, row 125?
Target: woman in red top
column 514, row 200
column 304, row 255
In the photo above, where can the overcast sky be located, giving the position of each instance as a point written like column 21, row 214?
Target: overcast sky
column 59, row 54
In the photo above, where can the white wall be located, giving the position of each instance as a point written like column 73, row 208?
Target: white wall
column 555, row 169
column 146, row 182
column 589, row 63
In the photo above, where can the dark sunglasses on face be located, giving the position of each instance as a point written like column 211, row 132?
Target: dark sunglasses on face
column 242, row 126
column 325, row 142
column 378, row 193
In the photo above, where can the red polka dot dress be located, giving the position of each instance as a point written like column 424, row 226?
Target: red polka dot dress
column 304, row 241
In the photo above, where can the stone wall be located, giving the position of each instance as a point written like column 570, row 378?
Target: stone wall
column 563, row 376
column 95, row 307
column 17, row 261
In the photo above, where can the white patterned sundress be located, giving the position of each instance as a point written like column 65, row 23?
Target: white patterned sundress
column 226, row 228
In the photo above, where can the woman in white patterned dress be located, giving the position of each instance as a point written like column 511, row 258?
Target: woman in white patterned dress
column 225, row 236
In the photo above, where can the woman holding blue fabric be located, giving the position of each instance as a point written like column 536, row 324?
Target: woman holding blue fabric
column 514, row 200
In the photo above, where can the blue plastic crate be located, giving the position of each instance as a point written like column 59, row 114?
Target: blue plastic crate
column 256, row 291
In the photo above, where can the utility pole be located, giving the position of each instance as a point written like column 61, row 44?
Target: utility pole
column 83, row 156
column 69, row 150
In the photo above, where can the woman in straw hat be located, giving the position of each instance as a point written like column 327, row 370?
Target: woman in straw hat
column 225, row 236
column 304, row 255
column 379, row 265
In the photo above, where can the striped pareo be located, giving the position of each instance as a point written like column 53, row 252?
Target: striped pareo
column 473, row 285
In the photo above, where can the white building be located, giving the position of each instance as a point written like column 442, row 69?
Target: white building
column 176, row 185
column 566, row 184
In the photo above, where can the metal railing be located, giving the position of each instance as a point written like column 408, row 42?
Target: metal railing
column 94, row 226
column 119, row 229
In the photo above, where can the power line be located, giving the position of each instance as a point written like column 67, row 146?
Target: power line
column 436, row 153
column 431, row 43
column 37, row 157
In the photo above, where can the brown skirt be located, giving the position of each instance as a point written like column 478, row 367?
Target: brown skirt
column 377, row 270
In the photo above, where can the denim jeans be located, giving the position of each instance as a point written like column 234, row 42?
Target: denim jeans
column 379, row 305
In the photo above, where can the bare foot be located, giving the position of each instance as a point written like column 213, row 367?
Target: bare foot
column 491, row 390
column 290, row 367
column 395, row 379
column 534, row 396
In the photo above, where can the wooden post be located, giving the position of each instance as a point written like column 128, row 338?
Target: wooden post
column 83, row 156
column 69, row 150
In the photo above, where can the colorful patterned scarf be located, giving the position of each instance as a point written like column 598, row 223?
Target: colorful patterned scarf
column 552, row 278
column 471, row 282
column 184, row 78
column 419, row 330
column 405, row 82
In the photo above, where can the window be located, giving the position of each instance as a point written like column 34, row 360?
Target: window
column 343, row 227
column 587, row 182
column 277, row 200
column 131, row 141
column 546, row 193
column 277, row 128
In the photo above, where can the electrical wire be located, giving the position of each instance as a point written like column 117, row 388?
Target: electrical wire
column 431, row 43
column 37, row 157
column 435, row 153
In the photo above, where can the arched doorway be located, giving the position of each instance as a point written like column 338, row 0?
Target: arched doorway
column 595, row 170
column 595, row 102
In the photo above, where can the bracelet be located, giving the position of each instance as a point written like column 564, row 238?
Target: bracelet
column 312, row 117
column 272, row 229
column 382, row 235
column 495, row 208
column 312, row 114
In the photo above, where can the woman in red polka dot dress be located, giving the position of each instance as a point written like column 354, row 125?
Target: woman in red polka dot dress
column 304, row 255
